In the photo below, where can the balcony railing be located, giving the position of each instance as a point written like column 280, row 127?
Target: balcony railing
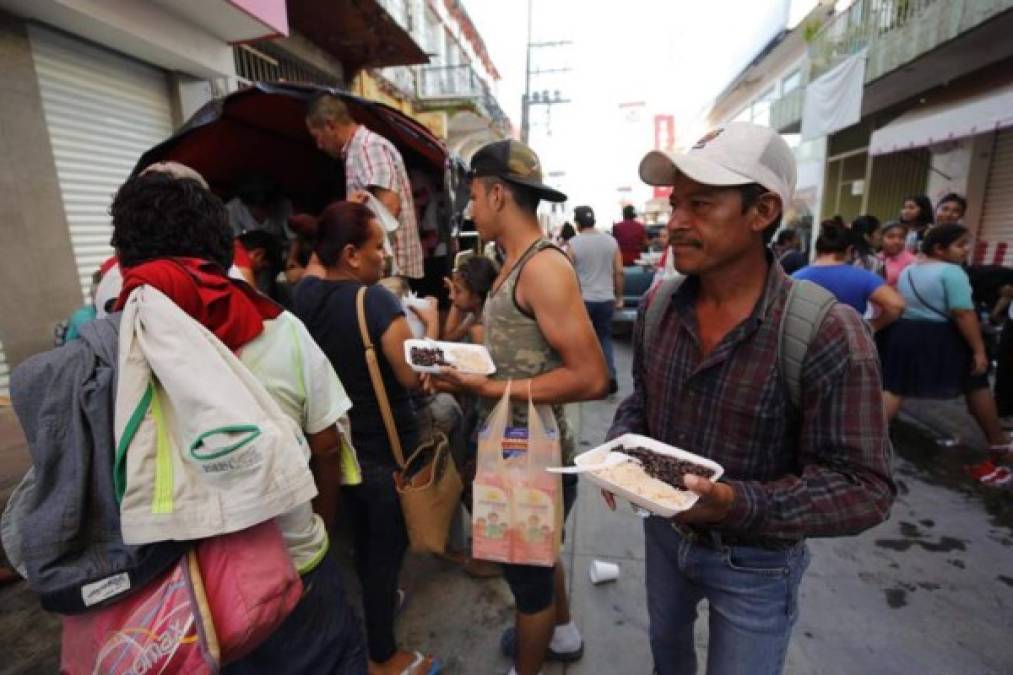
column 895, row 31
column 786, row 112
column 402, row 77
column 445, row 82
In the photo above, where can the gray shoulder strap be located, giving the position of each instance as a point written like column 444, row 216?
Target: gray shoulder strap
column 656, row 306
column 807, row 306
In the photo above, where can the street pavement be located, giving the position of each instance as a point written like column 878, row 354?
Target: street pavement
column 930, row 591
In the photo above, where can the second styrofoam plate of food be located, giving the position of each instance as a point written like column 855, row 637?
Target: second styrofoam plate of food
column 432, row 356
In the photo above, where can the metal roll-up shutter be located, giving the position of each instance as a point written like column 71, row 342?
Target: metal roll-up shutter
column 103, row 110
column 995, row 238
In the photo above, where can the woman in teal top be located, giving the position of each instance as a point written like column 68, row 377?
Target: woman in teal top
column 936, row 350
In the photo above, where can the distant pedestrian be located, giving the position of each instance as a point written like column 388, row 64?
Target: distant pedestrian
column 599, row 267
column 631, row 235
column 566, row 233
column 866, row 239
column 936, row 350
column 894, row 255
column 786, row 246
column 708, row 381
column 373, row 164
column 951, row 209
column 850, row 284
column 916, row 213
column 260, row 206
column 265, row 254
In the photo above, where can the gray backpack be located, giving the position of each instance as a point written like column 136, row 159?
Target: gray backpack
column 807, row 305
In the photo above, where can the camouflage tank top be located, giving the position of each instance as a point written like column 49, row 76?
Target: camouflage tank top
column 519, row 349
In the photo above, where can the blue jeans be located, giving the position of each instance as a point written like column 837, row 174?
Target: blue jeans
column 601, row 318
column 752, row 593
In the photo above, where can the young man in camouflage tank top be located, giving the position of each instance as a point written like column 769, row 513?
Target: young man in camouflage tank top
column 538, row 332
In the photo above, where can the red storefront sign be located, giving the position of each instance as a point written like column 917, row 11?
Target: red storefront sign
column 664, row 139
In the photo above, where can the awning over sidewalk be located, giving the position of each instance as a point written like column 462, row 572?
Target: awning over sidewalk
column 359, row 33
column 983, row 112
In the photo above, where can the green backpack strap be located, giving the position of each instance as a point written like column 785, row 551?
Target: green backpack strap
column 804, row 311
column 657, row 303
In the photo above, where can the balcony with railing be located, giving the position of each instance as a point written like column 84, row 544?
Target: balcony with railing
column 786, row 112
column 895, row 32
column 440, row 86
column 448, row 82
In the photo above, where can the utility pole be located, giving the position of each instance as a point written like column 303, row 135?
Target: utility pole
column 525, row 124
column 538, row 98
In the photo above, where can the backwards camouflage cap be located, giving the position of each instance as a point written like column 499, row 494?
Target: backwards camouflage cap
column 514, row 162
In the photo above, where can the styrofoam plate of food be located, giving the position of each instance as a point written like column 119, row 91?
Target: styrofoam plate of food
column 433, row 356
column 654, row 482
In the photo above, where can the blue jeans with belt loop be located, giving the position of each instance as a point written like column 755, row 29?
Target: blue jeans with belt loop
column 752, row 593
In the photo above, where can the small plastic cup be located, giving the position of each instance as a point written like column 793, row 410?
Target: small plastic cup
column 601, row 571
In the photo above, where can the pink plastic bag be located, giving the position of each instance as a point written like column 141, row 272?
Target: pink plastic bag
column 251, row 586
column 517, row 506
column 159, row 629
column 217, row 604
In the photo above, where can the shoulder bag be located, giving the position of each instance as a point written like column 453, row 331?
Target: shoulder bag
column 427, row 483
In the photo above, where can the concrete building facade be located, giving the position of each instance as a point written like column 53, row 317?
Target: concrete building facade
column 937, row 91
column 89, row 85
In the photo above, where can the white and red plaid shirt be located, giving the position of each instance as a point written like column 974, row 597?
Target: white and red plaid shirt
column 372, row 160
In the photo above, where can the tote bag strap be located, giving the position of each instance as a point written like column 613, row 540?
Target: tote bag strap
column 374, row 374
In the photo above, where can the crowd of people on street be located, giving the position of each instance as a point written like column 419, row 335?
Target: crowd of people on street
column 789, row 386
column 909, row 279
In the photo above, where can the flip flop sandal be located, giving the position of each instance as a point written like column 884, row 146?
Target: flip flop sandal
column 434, row 669
column 508, row 646
column 400, row 601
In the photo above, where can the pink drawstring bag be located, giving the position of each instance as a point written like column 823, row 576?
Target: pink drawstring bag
column 217, row 604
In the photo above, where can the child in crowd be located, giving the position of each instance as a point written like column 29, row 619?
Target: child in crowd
column 894, row 254
column 468, row 287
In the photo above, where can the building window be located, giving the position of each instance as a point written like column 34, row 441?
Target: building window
column 266, row 63
column 761, row 108
column 434, row 38
column 791, row 81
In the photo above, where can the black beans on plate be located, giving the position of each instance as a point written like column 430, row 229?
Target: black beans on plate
column 428, row 357
column 665, row 468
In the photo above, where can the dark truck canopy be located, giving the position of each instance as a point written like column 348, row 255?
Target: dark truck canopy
column 261, row 131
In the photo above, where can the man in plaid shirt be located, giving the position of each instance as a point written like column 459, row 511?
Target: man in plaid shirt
column 372, row 164
column 710, row 383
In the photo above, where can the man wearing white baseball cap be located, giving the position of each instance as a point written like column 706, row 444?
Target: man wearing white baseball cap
column 766, row 376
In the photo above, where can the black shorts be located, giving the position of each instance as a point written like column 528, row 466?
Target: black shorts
column 533, row 585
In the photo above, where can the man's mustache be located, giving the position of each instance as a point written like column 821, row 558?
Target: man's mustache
column 686, row 242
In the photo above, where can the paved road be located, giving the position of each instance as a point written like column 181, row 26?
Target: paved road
column 930, row 591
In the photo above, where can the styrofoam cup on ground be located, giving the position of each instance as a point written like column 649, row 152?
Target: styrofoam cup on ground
column 601, row 571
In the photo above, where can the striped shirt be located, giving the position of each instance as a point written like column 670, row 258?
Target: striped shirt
column 372, row 160
column 823, row 470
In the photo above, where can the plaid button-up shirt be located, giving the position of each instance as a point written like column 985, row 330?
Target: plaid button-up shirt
column 821, row 470
column 370, row 159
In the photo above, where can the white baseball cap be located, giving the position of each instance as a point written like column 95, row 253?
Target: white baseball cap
column 737, row 154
